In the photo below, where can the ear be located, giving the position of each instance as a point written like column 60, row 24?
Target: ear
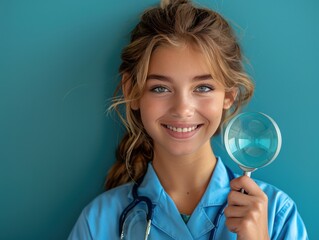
column 230, row 97
column 126, row 88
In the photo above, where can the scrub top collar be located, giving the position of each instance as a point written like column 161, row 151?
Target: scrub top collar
column 201, row 221
column 214, row 194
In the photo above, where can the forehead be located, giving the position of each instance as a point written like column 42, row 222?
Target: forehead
column 182, row 59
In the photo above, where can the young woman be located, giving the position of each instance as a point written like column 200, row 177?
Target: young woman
column 182, row 77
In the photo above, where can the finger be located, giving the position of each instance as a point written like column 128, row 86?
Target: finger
column 233, row 224
column 236, row 198
column 246, row 183
column 235, row 211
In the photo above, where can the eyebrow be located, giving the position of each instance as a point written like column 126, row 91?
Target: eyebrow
column 169, row 79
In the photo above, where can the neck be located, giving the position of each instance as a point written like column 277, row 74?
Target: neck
column 185, row 178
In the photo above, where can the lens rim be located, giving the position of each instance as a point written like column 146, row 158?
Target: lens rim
column 262, row 116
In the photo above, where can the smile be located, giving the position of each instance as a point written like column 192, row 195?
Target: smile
column 182, row 129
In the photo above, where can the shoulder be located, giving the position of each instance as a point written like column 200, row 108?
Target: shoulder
column 283, row 215
column 278, row 200
column 113, row 200
column 95, row 222
column 276, row 197
column 104, row 210
column 274, row 193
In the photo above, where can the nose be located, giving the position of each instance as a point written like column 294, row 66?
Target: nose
column 182, row 106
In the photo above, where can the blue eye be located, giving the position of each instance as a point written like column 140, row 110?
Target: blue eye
column 159, row 89
column 204, row 89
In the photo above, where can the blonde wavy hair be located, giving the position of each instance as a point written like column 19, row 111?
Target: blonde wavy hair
column 174, row 22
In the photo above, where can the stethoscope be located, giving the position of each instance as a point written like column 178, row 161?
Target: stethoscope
column 138, row 199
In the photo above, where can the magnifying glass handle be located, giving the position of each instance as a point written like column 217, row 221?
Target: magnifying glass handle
column 246, row 173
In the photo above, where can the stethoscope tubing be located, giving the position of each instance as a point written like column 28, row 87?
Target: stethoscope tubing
column 138, row 199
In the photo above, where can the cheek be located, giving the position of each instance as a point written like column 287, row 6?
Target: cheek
column 211, row 106
column 212, row 110
column 145, row 114
column 150, row 111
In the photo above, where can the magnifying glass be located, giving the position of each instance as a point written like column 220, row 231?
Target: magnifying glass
column 252, row 140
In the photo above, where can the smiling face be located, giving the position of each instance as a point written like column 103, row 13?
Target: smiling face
column 182, row 105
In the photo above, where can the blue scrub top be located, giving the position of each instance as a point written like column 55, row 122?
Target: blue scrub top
column 100, row 219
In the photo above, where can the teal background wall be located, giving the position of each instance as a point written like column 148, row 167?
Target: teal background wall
column 58, row 68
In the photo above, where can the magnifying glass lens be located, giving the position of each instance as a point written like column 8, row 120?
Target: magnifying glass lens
column 252, row 140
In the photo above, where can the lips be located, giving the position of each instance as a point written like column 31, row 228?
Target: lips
column 182, row 129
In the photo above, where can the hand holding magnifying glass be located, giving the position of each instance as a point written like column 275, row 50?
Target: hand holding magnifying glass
column 253, row 140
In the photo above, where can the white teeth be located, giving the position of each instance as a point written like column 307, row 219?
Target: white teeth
column 184, row 130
